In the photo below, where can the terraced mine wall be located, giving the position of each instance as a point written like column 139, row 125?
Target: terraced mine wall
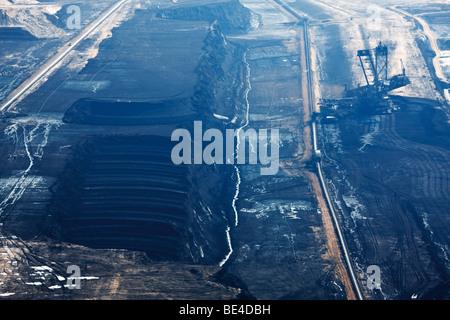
column 112, row 112
column 123, row 191
column 15, row 33
column 215, row 90
column 231, row 15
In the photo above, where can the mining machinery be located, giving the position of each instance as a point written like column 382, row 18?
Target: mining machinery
column 373, row 96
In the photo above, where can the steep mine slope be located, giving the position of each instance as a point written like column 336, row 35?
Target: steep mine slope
column 101, row 168
column 230, row 14
column 193, row 223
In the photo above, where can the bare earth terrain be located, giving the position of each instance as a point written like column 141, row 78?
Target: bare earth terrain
column 86, row 177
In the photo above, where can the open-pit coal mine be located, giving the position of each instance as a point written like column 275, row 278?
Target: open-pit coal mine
column 124, row 192
column 96, row 96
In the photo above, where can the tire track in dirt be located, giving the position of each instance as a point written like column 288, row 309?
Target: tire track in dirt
column 427, row 170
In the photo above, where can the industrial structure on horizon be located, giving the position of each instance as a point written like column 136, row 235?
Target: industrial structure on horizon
column 373, row 96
